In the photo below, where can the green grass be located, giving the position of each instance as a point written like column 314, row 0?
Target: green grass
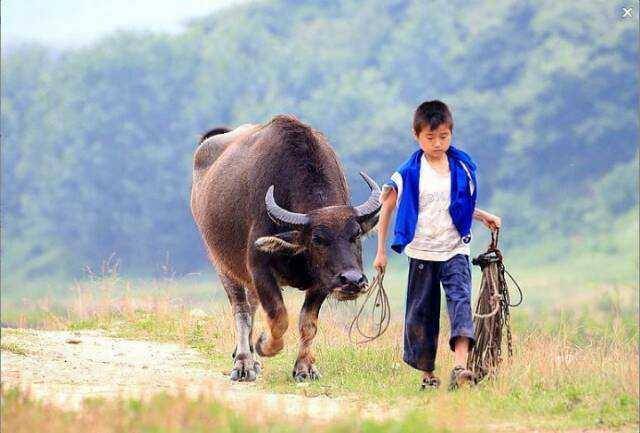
column 164, row 414
column 584, row 328
column 13, row 348
column 575, row 338
column 573, row 370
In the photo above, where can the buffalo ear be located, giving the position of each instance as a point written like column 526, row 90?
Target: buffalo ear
column 282, row 243
column 368, row 225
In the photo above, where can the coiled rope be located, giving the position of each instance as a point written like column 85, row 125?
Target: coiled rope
column 380, row 314
column 491, row 316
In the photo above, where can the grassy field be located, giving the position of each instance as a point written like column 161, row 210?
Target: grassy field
column 575, row 363
column 574, row 372
column 164, row 414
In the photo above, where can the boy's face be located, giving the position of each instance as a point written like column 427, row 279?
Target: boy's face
column 434, row 142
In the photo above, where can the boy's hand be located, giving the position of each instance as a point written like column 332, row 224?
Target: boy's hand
column 491, row 221
column 380, row 262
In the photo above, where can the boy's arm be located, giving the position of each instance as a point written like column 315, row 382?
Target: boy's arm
column 388, row 205
column 492, row 221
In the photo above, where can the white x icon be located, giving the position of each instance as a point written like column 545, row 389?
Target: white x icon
column 627, row 12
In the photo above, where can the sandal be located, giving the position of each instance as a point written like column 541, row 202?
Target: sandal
column 460, row 376
column 430, row 382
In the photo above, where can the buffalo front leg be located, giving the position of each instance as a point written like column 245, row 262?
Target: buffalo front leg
column 270, row 295
column 304, row 367
column 245, row 366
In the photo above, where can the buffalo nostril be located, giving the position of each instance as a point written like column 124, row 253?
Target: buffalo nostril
column 343, row 279
column 363, row 280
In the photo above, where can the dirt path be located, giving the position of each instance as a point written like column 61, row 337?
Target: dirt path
column 64, row 367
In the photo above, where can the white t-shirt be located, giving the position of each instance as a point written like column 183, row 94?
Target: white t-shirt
column 436, row 238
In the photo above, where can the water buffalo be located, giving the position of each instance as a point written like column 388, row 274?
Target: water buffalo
column 272, row 204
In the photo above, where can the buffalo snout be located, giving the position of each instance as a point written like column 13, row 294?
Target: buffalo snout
column 350, row 284
column 352, row 277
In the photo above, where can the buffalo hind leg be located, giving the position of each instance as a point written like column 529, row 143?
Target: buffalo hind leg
column 304, row 367
column 245, row 366
column 270, row 296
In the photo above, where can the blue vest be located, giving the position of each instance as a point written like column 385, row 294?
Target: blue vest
column 406, row 182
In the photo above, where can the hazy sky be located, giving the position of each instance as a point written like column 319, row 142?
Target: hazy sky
column 72, row 23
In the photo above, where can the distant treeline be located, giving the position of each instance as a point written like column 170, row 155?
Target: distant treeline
column 97, row 142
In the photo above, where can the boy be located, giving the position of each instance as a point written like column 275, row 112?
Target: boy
column 435, row 192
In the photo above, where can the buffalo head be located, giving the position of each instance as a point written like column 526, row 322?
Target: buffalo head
column 330, row 237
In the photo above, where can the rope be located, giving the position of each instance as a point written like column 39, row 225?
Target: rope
column 380, row 311
column 491, row 316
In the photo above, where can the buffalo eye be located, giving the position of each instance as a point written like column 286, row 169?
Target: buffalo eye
column 355, row 236
column 319, row 240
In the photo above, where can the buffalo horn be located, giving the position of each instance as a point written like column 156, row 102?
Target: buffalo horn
column 370, row 207
column 283, row 216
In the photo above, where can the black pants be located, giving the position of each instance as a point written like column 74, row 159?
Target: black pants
column 422, row 316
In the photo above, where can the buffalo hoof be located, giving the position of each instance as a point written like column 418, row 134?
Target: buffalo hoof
column 245, row 370
column 303, row 373
column 268, row 347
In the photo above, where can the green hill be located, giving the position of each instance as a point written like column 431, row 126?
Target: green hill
column 97, row 142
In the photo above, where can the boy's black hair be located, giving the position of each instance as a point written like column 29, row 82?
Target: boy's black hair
column 432, row 113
